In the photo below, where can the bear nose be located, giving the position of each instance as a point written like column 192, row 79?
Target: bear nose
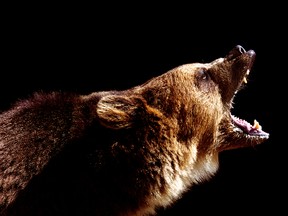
column 235, row 52
column 240, row 49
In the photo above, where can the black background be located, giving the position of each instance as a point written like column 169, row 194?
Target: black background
column 91, row 48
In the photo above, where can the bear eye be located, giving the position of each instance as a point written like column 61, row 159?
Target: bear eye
column 203, row 75
column 204, row 81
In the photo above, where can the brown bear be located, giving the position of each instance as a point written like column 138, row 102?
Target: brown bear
column 124, row 152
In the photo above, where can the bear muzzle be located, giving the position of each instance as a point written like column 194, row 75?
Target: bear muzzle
column 235, row 69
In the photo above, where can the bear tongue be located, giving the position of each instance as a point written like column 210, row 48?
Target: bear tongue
column 246, row 127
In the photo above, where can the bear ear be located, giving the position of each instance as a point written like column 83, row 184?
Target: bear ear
column 117, row 112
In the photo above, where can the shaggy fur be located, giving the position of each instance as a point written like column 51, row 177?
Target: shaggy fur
column 126, row 152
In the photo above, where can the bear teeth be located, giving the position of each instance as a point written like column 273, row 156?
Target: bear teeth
column 246, row 75
column 247, row 128
column 256, row 125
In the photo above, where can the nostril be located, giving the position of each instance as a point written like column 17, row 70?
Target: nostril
column 235, row 52
column 240, row 49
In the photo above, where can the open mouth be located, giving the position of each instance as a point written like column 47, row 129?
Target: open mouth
column 242, row 127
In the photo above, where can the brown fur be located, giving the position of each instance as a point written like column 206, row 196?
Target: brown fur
column 122, row 152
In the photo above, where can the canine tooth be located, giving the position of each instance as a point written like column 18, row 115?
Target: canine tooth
column 248, row 71
column 257, row 125
column 244, row 80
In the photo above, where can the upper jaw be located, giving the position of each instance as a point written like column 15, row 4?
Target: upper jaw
column 242, row 62
column 231, row 72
